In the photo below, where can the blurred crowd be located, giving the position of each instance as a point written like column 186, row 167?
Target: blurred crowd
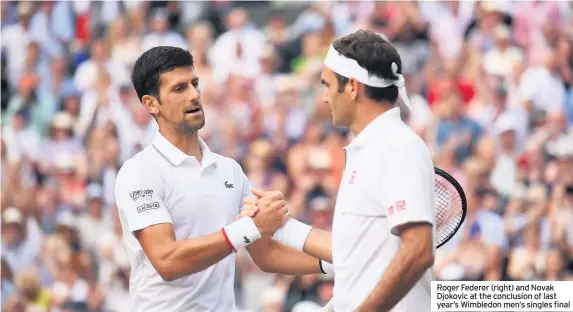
column 491, row 89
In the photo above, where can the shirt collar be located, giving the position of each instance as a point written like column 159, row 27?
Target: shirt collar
column 176, row 156
column 375, row 128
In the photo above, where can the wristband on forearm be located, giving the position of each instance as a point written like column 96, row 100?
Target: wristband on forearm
column 293, row 234
column 241, row 233
column 326, row 267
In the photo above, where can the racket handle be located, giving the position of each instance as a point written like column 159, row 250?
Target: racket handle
column 329, row 307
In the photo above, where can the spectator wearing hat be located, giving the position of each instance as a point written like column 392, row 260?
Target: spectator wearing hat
column 95, row 219
column 67, row 228
column 503, row 176
column 563, row 152
column 489, row 15
column 265, row 86
column 61, row 140
column 17, row 249
column 71, row 185
column 500, row 60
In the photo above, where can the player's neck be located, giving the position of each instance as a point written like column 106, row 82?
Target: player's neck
column 367, row 115
column 188, row 143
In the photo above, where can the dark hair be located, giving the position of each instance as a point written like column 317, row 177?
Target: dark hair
column 154, row 62
column 374, row 54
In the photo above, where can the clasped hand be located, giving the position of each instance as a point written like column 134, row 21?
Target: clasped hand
column 268, row 210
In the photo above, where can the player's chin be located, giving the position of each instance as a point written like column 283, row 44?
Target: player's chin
column 194, row 124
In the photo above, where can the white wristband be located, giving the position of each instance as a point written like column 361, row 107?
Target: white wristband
column 241, row 233
column 294, row 234
column 326, row 267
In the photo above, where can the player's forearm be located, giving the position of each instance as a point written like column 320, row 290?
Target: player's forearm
column 407, row 267
column 319, row 244
column 302, row 237
column 186, row 257
column 274, row 257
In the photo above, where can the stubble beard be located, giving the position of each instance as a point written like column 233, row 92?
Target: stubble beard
column 188, row 128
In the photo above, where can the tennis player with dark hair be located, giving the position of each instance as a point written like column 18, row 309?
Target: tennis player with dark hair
column 382, row 235
column 178, row 202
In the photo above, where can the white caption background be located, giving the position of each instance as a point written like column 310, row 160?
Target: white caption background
column 451, row 296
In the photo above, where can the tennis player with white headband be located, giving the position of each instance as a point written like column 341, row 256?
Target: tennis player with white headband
column 382, row 239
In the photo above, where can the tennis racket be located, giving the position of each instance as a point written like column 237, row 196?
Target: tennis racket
column 451, row 208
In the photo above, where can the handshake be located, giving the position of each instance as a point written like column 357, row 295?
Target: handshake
column 269, row 213
column 267, row 209
column 266, row 214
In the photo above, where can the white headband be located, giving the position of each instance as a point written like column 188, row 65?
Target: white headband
column 349, row 68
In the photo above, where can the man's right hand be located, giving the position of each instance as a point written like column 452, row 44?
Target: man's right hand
column 272, row 213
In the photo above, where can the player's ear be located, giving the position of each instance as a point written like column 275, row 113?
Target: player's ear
column 352, row 86
column 151, row 103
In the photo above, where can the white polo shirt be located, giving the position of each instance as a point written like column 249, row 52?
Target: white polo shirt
column 161, row 184
column 388, row 181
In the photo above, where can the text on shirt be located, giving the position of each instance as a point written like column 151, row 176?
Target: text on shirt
column 150, row 206
column 139, row 194
column 400, row 206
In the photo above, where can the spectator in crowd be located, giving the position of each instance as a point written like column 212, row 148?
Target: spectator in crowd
column 491, row 86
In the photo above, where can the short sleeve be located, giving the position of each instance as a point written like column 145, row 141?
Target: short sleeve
column 407, row 185
column 139, row 196
column 247, row 186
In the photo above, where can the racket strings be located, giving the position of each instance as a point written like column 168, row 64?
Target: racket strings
column 449, row 209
